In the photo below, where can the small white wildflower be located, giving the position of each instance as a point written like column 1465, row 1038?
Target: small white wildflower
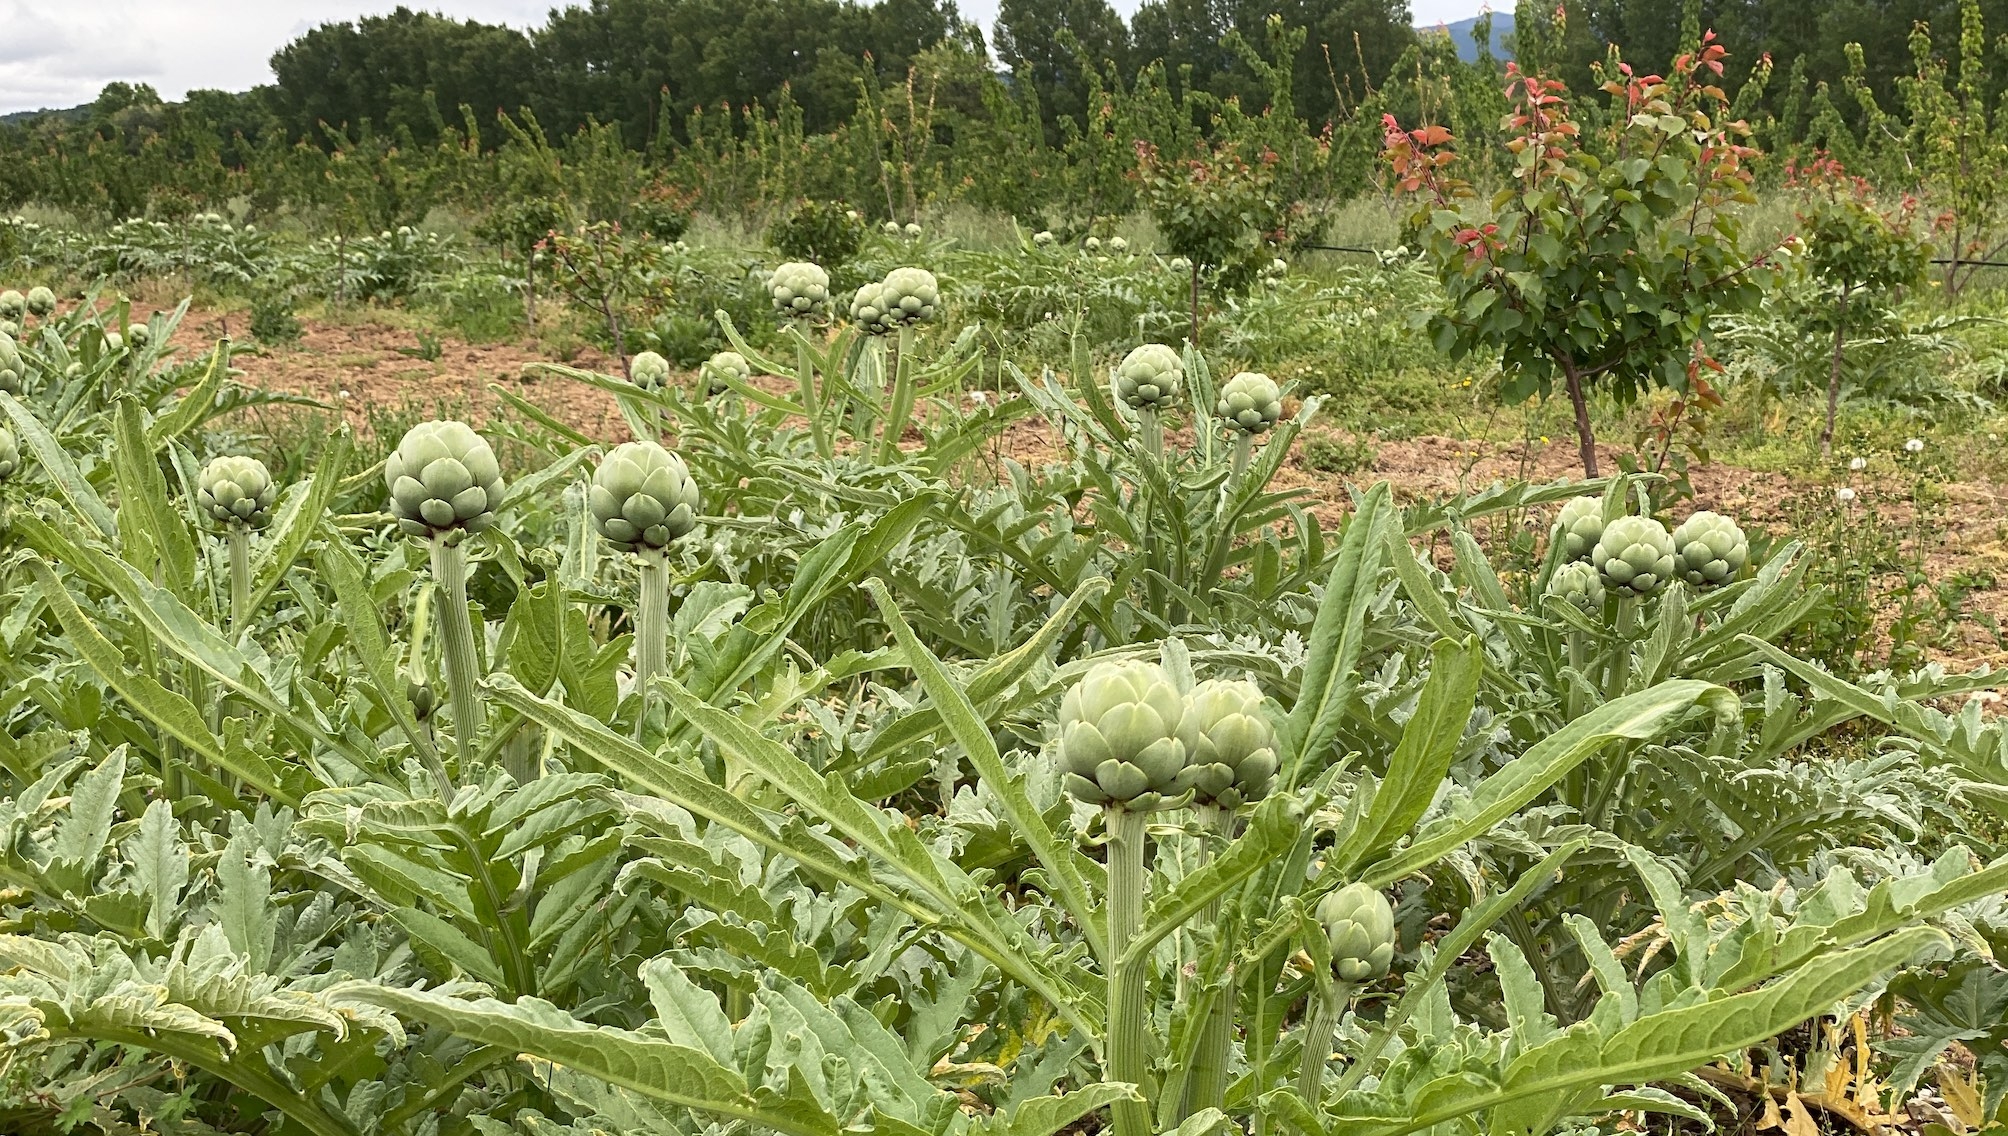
column 343, row 393
column 1844, row 495
column 1856, row 465
column 1914, row 446
column 980, row 398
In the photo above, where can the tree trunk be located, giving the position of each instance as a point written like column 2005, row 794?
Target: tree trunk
column 1834, row 375
column 1586, row 441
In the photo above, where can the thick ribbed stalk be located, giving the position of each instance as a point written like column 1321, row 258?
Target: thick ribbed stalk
column 900, row 408
column 651, row 631
column 456, row 647
column 1207, row 1086
column 239, row 539
column 1244, row 449
column 1152, row 430
column 1127, row 1021
column 805, row 374
column 1328, row 1003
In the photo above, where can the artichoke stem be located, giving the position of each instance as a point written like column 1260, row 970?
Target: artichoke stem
column 805, row 374
column 1152, row 430
column 1327, row 1005
column 651, row 632
column 1207, row 1087
column 1244, row 449
column 456, row 646
column 239, row 539
column 1125, row 1042
column 900, row 409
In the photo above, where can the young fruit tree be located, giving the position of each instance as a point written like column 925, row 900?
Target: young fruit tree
column 1605, row 257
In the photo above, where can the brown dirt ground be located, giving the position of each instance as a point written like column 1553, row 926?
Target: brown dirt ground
column 356, row 364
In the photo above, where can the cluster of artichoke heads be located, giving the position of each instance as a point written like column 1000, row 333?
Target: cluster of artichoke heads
column 642, row 497
column 1636, row 556
column 724, row 365
column 444, row 481
column 1129, row 738
column 236, row 491
column 14, row 307
column 906, row 297
column 801, row 290
column 1250, row 402
column 1150, row 378
column 1358, row 924
column 649, row 371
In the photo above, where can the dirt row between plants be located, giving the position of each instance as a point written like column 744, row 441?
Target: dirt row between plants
column 375, row 372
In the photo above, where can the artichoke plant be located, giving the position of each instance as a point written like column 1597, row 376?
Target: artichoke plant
column 13, row 306
column 41, row 302
column 649, row 371
column 1634, row 556
column 721, row 366
column 1709, row 549
column 800, row 290
column 1124, row 736
column 237, row 493
column 1358, row 929
column 1577, row 583
column 641, row 500
column 10, row 454
column 1250, row 402
column 13, row 376
column 1149, row 378
column 1578, row 525
column 1233, row 745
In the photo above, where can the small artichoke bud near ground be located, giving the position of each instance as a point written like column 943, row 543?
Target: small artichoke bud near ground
column 1149, row 377
column 642, row 497
column 1233, row 759
column 1118, row 245
column 1709, row 549
column 423, row 700
column 1251, row 402
column 800, row 289
column 1043, row 237
column 1578, row 583
column 891, row 228
column 443, row 480
column 10, row 454
column 1359, row 924
column 114, row 342
column 12, row 375
column 1635, row 554
column 41, row 302
column 10, row 329
column 138, row 334
column 1123, row 736
column 1578, row 525
column 649, row 371
column 13, row 305
column 1179, row 264
column 1092, row 244
column 723, row 365
column 236, row 491
column 913, row 230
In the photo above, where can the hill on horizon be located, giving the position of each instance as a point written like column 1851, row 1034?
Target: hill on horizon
column 1463, row 33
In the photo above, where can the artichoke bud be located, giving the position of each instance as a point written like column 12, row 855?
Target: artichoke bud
column 1250, row 402
column 1233, row 757
column 800, row 290
column 912, row 230
column 1179, row 264
column 10, row 454
column 905, row 298
column 12, row 375
column 114, row 343
column 12, row 305
column 1634, row 556
column 1359, row 925
column 1149, row 377
column 722, row 365
column 1124, row 736
column 1578, row 583
column 642, row 497
column 236, row 491
column 423, row 700
column 41, row 302
column 1578, row 525
column 1709, row 549
column 443, row 481
column 138, row 334
column 649, row 371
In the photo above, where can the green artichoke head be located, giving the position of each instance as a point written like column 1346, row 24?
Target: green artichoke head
column 1123, row 736
column 138, row 334
column 800, row 290
column 1578, row 526
column 114, row 343
column 10, row 454
column 910, row 295
column 721, row 366
column 13, row 305
column 1149, row 377
column 1634, row 556
column 444, row 481
column 642, row 497
column 41, row 302
column 1578, row 583
column 1250, row 402
column 422, row 697
column 869, row 309
column 649, row 371
column 236, row 491
column 1709, row 549
column 1359, row 925
column 1233, row 757
column 13, row 376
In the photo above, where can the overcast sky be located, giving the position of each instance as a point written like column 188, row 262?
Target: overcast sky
column 59, row 53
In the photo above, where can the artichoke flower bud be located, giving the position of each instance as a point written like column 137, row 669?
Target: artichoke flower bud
column 41, row 302
column 12, row 375
column 9, row 328
column 721, row 366
column 1123, row 736
column 1577, row 583
column 236, row 491
column 443, row 481
column 1233, row 758
column 1149, row 377
column 1179, row 264
column 1636, row 554
column 1118, row 245
column 1359, row 924
column 913, row 230
column 1092, row 244
column 868, row 309
column 10, row 454
column 891, row 228
column 114, row 343
column 12, row 305
column 423, row 700
column 1578, row 525
column 1251, row 402
column 1709, row 549
column 1043, row 237
column 911, row 295
column 800, row 290
column 138, row 334
column 642, row 497
column 649, row 371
